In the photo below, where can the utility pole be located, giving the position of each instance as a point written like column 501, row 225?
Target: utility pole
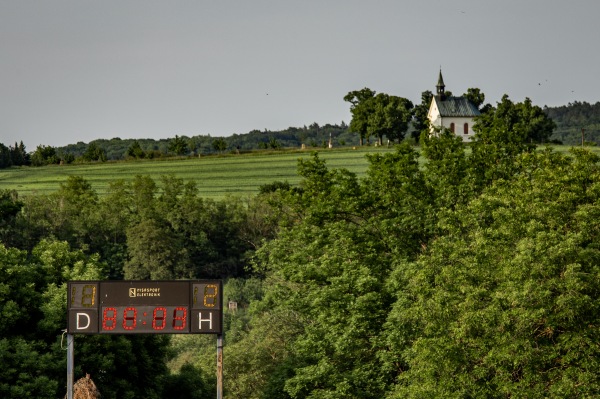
column 582, row 136
column 220, row 366
column 70, row 365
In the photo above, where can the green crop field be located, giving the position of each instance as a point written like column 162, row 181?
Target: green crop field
column 215, row 176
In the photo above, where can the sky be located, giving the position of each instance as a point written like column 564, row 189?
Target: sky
column 81, row 70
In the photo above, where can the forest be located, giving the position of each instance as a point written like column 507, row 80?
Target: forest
column 577, row 123
column 473, row 274
column 117, row 149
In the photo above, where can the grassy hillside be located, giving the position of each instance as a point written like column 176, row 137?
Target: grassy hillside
column 216, row 176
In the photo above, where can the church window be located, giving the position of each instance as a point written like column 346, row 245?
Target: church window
column 466, row 128
column 452, row 127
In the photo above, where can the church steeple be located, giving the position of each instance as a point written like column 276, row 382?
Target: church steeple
column 441, row 87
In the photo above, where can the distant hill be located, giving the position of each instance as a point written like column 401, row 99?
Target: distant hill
column 571, row 118
column 292, row 137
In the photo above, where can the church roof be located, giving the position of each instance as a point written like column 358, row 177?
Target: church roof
column 456, row 106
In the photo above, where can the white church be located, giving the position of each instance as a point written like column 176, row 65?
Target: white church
column 454, row 113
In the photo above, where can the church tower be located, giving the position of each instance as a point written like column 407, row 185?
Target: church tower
column 441, row 87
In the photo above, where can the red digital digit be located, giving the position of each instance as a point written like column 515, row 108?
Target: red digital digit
column 129, row 318
column 158, row 321
column 112, row 319
column 179, row 318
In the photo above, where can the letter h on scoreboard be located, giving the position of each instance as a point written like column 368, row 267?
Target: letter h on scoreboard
column 206, row 321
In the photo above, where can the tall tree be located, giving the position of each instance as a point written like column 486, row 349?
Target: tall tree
column 515, row 122
column 446, row 169
column 504, row 132
column 33, row 306
column 178, row 145
column 154, row 251
column 10, row 206
column 135, row 150
column 18, row 155
column 390, row 116
column 44, row 155
column 219, row 144
column 475, row 96
column 5, row 156
column 506, row 303
column 328, row 268
column 94, row 153
column 420, row 121
column 360, row 109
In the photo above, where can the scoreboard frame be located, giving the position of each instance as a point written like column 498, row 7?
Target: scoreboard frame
column 145, row 307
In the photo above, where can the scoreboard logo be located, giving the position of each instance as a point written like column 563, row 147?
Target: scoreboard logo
column 144, row 292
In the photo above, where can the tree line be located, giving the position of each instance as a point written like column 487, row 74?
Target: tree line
column 472, row 274
column 13, row 155
column 577, row 123
column 312, row 136
column 374, row 115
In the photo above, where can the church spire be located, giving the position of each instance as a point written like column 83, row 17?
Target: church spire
column 441, row 87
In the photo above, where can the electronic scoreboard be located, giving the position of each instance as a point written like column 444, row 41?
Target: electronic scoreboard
column 145, row 307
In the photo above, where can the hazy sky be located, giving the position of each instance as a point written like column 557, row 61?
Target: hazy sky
column 79, row 70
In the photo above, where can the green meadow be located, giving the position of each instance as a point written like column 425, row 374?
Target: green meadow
column 216, row 176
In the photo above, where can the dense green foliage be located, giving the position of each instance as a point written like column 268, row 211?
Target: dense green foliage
column 505, row 301
column 576, row 122
column 13, row 156
column 378, row 115
column 473, row 274
column 420, row 111
column 138, row 230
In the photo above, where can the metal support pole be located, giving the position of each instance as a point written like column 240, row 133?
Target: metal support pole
column 70, row 364
column 220, row 366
